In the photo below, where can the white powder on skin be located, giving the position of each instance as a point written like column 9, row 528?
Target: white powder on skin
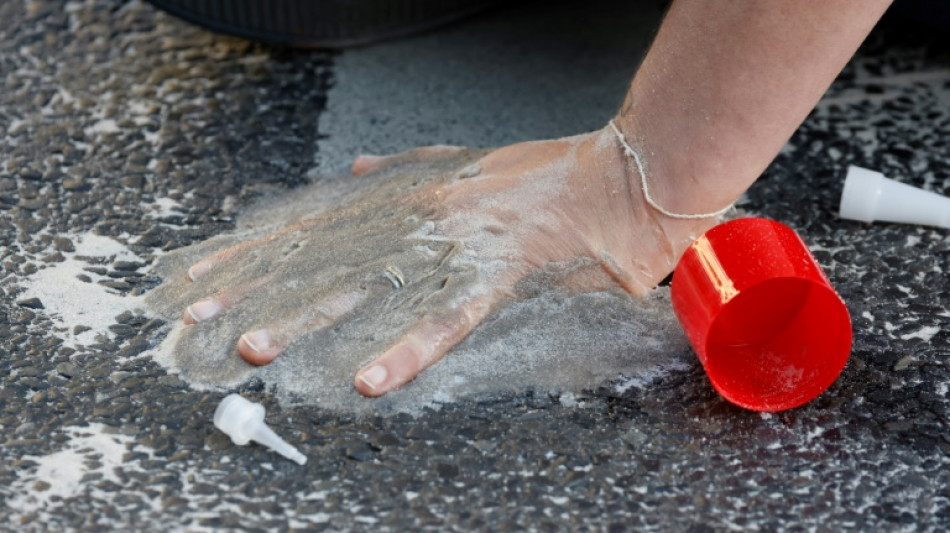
column 547, row 340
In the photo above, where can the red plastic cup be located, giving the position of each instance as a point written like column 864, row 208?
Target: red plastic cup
column 764, row 320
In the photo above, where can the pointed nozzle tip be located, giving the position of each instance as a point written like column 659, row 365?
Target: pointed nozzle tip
column 299, row 458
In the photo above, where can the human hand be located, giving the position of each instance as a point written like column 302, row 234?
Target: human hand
column 432, row 241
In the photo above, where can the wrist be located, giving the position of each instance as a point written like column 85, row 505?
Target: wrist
column 634, row 155
column 686, row 169
column 669, row 236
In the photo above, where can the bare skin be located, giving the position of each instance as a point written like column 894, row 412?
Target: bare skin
column 722, row 89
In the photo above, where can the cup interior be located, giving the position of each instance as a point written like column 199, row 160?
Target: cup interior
column 778, row 344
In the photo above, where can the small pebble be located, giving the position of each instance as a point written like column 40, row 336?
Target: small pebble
column 904, row 362
column 31, row 303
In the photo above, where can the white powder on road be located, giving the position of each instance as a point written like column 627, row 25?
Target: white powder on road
column 103, row 126
column 925, row 333
column 165, row 207
column 71, row 302
column 59, row 475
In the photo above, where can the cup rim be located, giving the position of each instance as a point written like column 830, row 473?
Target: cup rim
column 836, row 347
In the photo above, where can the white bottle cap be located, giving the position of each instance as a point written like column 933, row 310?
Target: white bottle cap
column 243, row 421
column 868, row 196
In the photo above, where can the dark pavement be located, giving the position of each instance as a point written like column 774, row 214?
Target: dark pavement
column 120, row 122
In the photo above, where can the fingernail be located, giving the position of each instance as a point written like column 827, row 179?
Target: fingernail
column 257, row 340
column 371, row 158
column 375, row 376
column 204, row 309
column 199, row 269
column 362, row 163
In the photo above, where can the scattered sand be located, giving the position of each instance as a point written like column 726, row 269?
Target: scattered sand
column 89, row 453
column 71, row 302
column 551, row 341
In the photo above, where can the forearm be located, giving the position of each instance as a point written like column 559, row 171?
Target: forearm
column 726, row 83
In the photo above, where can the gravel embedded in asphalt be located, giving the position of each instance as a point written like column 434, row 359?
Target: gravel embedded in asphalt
column 121, row 122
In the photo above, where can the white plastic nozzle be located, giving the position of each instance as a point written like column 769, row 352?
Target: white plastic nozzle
column 869, row 196
column 243, row 421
